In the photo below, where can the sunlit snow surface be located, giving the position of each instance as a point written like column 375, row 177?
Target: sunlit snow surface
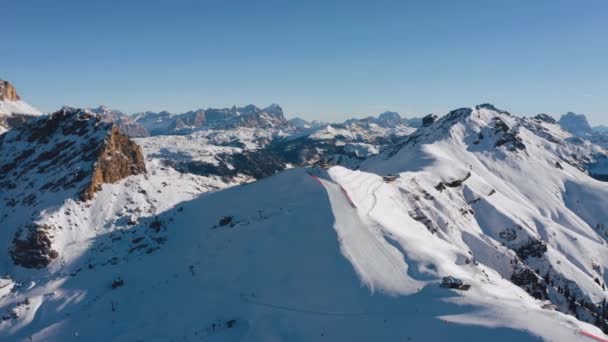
column 337, row 258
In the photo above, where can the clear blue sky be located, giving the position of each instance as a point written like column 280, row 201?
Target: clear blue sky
column 319, row 59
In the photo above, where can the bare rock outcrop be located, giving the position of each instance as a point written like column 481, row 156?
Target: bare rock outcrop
column 32, row 246
column 118, row 158
column 8, row 92
column 68, row 154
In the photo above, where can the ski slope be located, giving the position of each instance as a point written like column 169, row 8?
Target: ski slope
column 281, row 272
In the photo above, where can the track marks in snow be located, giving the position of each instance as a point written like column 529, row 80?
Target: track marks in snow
column 378, row 263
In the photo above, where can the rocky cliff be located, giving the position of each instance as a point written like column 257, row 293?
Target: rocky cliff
column 8, row 92
column 68, row 155
column 119, row 157
column 13, row 111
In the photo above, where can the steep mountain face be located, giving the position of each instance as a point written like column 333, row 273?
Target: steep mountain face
column 122, row 120
column 515, row 194
column 576, row 124
column 68, row 155
column 13, row 111
column 488, row 228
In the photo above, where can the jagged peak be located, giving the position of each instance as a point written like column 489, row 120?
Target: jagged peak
column 273, row 107
column 576, row 124
column 8, row 92
column 546, row 118
column 491, row 107
column 428, row 120
column 389, row 116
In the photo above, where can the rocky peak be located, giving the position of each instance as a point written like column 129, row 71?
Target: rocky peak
column 71, row 150
column 254, row 117
column 68, row 154
column 8, row 92
column 390, row 118
column 546, row 118
column 576, row 124
column 428, row 120
column 491, row 107
column 274, row 109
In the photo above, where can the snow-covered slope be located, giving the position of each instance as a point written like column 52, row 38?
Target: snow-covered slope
column 287, row 258
column 502, row 203
column 346, row 144
column 17, row 107
column 514, row 192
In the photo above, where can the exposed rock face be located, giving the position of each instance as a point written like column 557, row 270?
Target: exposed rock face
column 428, row 120
column 119, row 158
column 32, row 247
column 44, row 162
column 72, row 150
column 8, row 92
column 576, row 124
column 390, row 118
column 545, row 118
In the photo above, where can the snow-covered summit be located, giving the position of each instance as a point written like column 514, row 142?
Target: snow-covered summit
column 519, row 193
column 67, row 155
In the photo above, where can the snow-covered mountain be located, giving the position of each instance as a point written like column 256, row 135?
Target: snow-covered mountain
column 127, row 125
column 503, row 205
column 578, row 125
column 65, row 156
column 250, row 143
column 515, row 193
column 13, row 110
column 345, row 144
column 395, row 119
column 165, row 123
